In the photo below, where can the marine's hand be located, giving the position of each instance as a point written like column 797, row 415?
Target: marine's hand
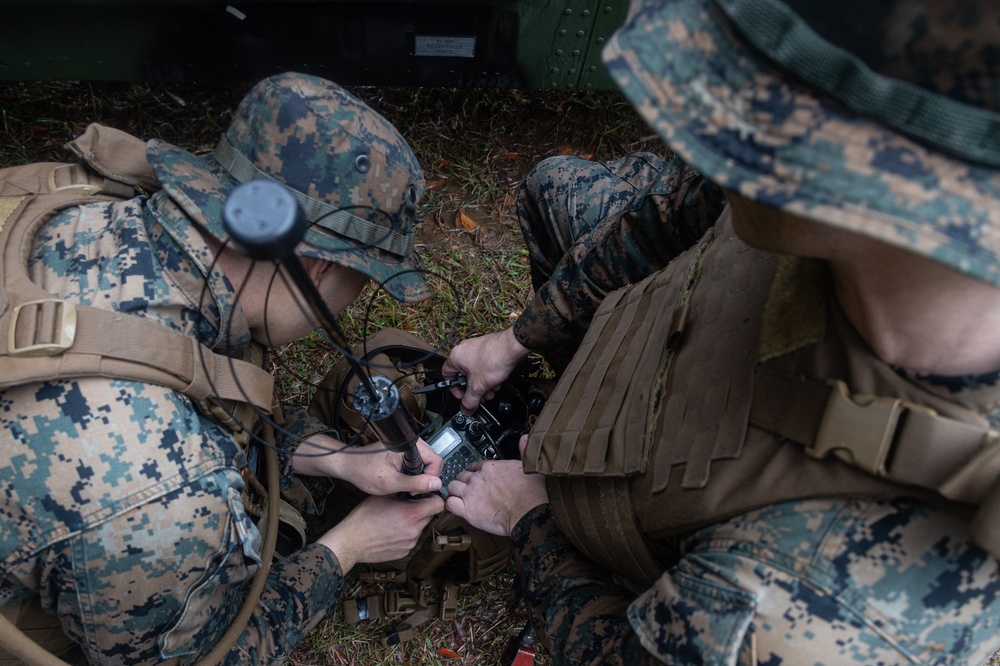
column 494, row 494
column 380, row 529
column 376, row 470
column 373, row 468
column 487, row 361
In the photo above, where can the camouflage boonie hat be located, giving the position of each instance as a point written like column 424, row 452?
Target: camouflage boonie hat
column 355, row 177
column 875, row 117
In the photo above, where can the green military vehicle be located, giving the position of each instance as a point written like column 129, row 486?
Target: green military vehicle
column 449, row 43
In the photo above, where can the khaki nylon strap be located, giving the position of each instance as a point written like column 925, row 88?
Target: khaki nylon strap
column 886, row 437
column 105, row 342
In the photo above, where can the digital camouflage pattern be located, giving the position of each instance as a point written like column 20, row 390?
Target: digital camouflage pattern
column 801, row 583
column 121, row 507
column 804, row 582
column 743, row 122
column 355, row 176
column 591, row 227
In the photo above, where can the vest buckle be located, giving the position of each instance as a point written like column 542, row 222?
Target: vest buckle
column 71, row 178
column 46, row 327
column 860, row 429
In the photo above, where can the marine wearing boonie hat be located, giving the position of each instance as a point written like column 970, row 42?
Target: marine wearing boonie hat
column 354, row 175
column 883, row 122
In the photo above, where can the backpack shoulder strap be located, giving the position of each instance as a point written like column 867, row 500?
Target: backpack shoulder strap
column 42, row 337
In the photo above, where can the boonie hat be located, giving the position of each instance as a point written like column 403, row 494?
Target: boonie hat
column 880, row 118
column 354, row 175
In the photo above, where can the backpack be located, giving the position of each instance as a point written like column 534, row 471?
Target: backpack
column 450, row 553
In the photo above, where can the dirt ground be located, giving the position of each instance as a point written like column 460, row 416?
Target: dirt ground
column 475, row 146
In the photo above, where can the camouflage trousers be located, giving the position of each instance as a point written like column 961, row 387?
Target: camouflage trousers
column 617, row 221
column 851, row 582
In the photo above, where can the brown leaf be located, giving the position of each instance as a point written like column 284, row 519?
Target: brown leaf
column 508, row 200
column 463, row 221
column 435, row 183
column 451, row 654
column 510, row 156
column 567, row 149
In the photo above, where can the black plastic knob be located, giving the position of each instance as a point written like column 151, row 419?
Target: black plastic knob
column 264, row 219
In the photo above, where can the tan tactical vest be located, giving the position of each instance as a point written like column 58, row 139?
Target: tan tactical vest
column 731, row 381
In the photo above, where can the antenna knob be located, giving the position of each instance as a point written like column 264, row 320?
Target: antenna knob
column 264, row 219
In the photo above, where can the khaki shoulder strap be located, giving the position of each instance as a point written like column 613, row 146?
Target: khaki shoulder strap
column 43, row 338
column 888, row 438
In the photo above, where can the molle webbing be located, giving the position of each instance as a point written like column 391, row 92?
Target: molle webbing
column 605, row 415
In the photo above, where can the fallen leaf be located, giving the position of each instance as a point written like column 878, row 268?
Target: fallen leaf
column 464, row 221
column 434, row 183
column 508, row 200
column 567, row 149
column 451, row 654
column 510, row 156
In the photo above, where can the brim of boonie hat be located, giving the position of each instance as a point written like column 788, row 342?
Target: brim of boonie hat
column 727, row 111
column 199, row 185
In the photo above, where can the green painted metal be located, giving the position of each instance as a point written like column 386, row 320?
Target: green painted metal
column 560, row 42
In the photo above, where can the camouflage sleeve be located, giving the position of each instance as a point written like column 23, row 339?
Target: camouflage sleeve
column 301, row 590
column 178, row 569
column 578, row 612
column 305, row 493
column 662, row 222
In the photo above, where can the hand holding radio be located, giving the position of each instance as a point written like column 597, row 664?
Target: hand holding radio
column 494, row 495
column 487, row 361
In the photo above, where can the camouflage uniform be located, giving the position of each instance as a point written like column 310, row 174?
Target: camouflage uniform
column 122, row 505
column 811, row 581
column 591, row 227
